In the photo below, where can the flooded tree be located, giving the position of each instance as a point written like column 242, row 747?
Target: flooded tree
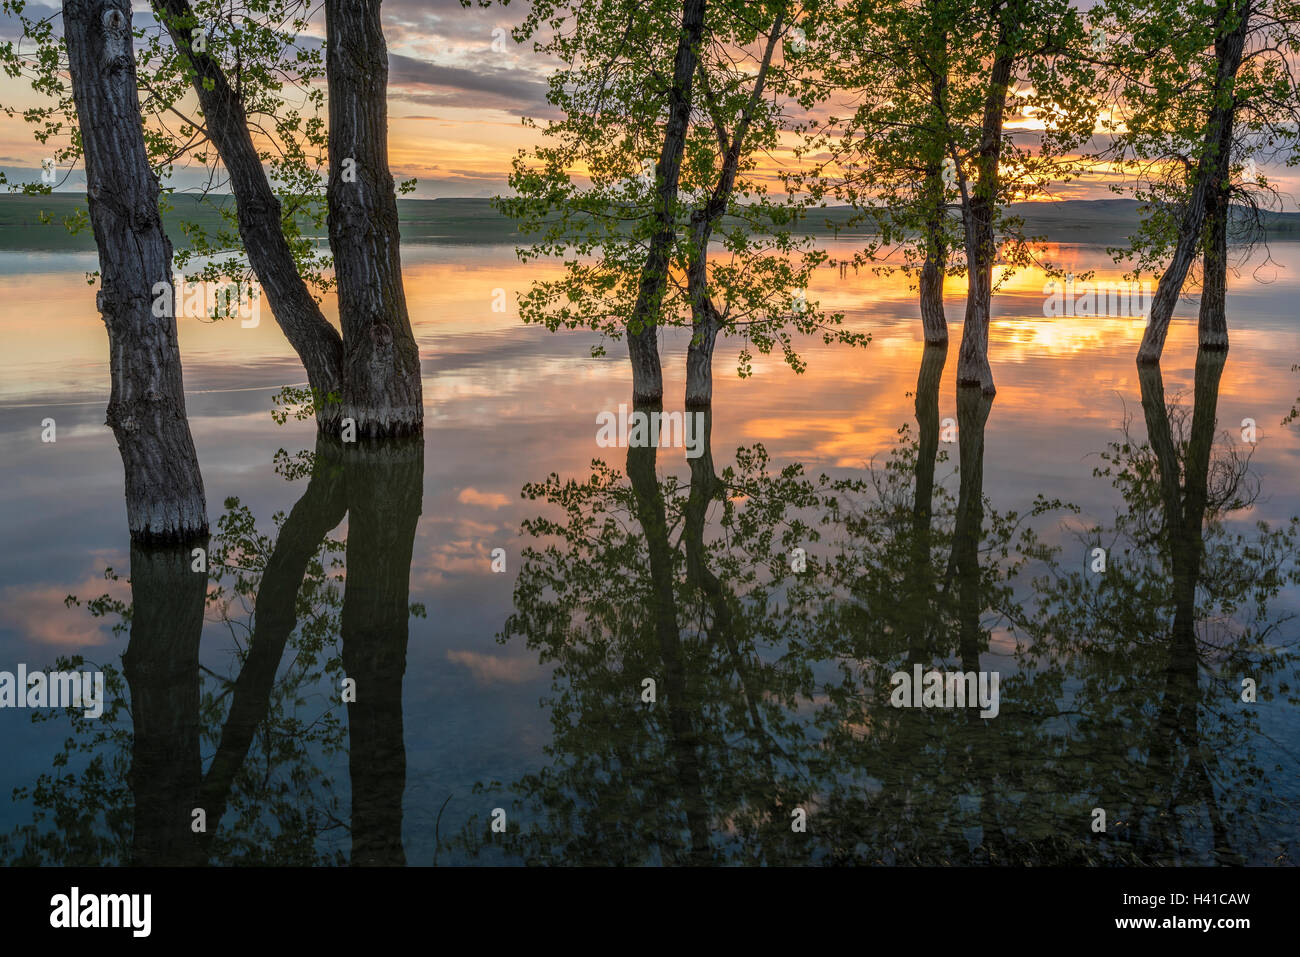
column 146, row 410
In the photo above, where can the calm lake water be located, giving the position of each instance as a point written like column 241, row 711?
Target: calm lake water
column 770, row 598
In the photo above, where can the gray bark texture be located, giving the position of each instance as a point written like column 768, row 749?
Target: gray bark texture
column 146, row 409
column 381, row 377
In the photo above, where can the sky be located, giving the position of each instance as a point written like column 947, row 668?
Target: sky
column 456, row 104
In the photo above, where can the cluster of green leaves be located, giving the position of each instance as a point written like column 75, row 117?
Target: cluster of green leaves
column 590, row 194
column 299, row 402
column 1162, row 62
column 908, row 85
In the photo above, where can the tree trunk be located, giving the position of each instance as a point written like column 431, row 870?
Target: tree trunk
column 317, row 343
column 699, row 357
column 981, row 243
column 706, row 322
column 146, row 409
column 1211, row 169
column 642, row 341
column 1212, row 329
column 381, row 376
column 934, row 325
column 973, row 358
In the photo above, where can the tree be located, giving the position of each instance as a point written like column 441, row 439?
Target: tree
column 146, row 409
column 196, row 35
column 381, row 379
column 244, row 63
column 756, row 288
column 1202, row 91
column 927, row 155
column 668, row 154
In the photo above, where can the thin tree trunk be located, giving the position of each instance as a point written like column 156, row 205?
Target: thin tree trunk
column 146, row 409
column 381, row 378
column 1212, row 331
column 934, row 325
column 642, row 334
column 981, row 243
column 706, row 322
column 1210, row 169
column 318, row 344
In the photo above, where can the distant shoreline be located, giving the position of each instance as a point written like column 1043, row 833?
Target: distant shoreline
column 475, row 222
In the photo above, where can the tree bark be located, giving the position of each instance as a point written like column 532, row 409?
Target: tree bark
column 934, row 325
column 146, row 409
column 706, row 321
column 981, row 243
column 318, row 344
column 381, row 377
column 642, row 334
column 1211, row 168
column 1212, row 326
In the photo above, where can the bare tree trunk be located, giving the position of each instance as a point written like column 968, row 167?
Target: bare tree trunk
column 934, row 325
column 642, row 341
column 1211, row 168
column 981, row 243
column 699, row 356
column 706, row 322
column 973, row 358
column 146, row 409
column 1212, row 331
column 381, row 377
column 318, row 344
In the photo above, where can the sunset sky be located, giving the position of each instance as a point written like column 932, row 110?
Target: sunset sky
column 455, row 104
